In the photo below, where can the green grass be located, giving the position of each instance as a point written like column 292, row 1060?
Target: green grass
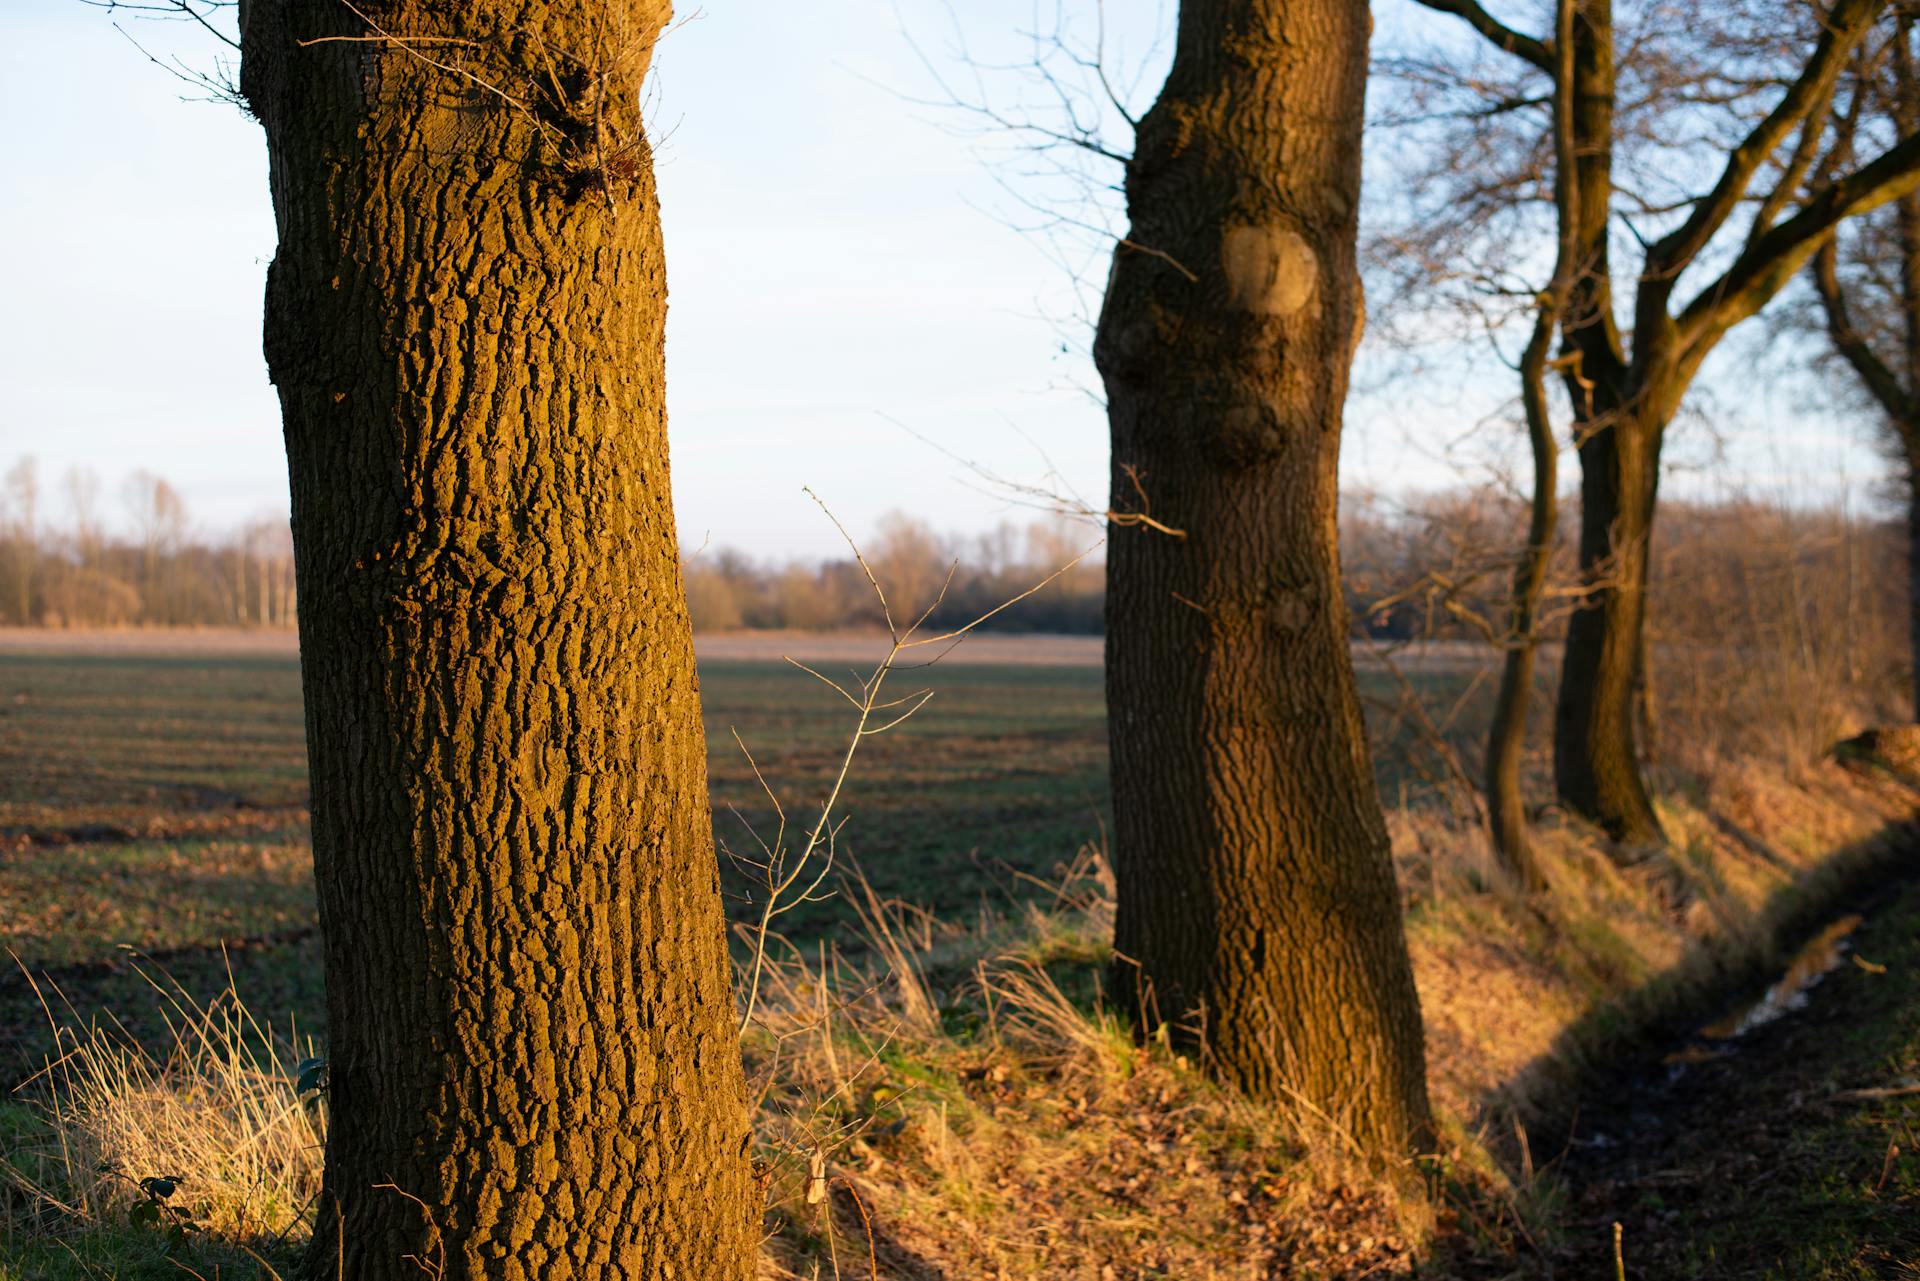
column 1008, row 764
column 96, row 739
column 66, row 901
column 1003, row 773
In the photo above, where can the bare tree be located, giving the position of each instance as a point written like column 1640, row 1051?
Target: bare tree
column 910, row 562
column 159, row 517
column 82, row 488
column 1506, row 737
column 20, row 525
column 1868, row 284
column 1747, row 226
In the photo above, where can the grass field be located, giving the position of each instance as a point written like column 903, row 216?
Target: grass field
column 159, row 801
column 155, row 803
column 152, row 797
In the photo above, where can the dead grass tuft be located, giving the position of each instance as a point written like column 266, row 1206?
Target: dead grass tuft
column 211, row 1133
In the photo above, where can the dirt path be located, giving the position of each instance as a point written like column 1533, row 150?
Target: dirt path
column 1791, row 1151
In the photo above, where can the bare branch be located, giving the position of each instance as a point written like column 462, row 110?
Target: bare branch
column 1505, row 38
column 1814, row 86
column 1770, row 261
column 1901, row 404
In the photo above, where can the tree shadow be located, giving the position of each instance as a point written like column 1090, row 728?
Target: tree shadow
column 1624, row 1038
column 891, row 1259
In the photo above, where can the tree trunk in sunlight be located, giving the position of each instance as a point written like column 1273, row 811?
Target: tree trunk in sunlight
column 533, row 1063
column 1257, row 910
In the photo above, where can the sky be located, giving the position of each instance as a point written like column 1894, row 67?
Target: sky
column 849, row 307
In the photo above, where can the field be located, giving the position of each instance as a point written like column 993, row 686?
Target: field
column 153, row 803
column 153, row 794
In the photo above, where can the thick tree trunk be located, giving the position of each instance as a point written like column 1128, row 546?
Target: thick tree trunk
column 1904, row 410
column 534, row 1070
column 1257, row 904
column 1596, row 766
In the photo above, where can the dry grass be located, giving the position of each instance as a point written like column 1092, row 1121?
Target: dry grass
column 968, row 1106
column 207, row 1143
column 958, row 1100
column 1523, row 996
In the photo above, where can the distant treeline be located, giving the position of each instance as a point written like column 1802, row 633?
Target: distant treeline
column 1730, row 573
column 1436, row 567
column 62, row 564
column 960, row 578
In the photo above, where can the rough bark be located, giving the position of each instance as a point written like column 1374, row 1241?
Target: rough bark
column 533, row 1064
column 1913, row 576
column 1257, row 905
column 1596, row 764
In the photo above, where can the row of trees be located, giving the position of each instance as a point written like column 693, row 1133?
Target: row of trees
column 1624, row 190
column 1416, row 568
column 960, row 578
column 150, row 568
column 534, row 1067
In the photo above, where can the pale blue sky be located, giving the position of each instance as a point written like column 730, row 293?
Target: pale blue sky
column 833, row 260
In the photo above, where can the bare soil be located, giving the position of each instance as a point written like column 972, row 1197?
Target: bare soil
column 855, row 647
column 158, row 642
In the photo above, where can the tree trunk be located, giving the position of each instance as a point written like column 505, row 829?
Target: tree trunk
column 1257, row 907
column 1905, row 410
column 1596, row 770
column 534, row 1070
column 1913, row 571
column 1596, row 767
column 1507, row 736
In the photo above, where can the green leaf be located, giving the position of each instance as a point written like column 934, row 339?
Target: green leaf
column 309, row 1075
column 145, row 1214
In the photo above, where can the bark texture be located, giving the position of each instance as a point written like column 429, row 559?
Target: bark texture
column 1596, row 761
column 1257, row 906
column 533, row 1064
column 1913, row 572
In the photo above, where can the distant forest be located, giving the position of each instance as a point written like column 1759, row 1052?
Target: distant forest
column 1430, row 568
